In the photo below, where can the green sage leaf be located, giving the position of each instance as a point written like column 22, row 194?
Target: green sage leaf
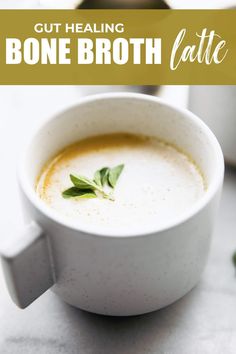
column 74, row 192
column 114, row 175
column 100, row 176
column 82, row 182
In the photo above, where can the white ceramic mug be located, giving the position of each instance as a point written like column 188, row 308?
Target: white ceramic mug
column 110, row 274
column 216, row 105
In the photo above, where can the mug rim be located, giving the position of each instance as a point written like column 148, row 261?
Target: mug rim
column 46, row 211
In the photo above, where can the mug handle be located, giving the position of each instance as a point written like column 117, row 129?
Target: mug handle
column 28, row 266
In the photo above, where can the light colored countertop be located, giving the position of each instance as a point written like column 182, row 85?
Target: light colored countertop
column 203, row 322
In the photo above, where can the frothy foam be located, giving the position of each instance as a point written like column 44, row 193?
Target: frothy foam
column 158, row 183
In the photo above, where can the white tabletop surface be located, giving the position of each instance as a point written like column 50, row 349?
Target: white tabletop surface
column 203, row 322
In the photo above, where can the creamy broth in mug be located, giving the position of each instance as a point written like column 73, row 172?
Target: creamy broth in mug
column 159, row 182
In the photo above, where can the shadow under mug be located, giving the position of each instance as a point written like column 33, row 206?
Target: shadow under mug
column 112, row 274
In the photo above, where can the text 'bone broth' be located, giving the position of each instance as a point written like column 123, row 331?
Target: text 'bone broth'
column 157, row 185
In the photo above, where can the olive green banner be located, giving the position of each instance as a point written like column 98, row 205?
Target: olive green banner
column 114, row 47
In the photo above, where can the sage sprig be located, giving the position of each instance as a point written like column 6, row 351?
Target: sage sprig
column 84, row 187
